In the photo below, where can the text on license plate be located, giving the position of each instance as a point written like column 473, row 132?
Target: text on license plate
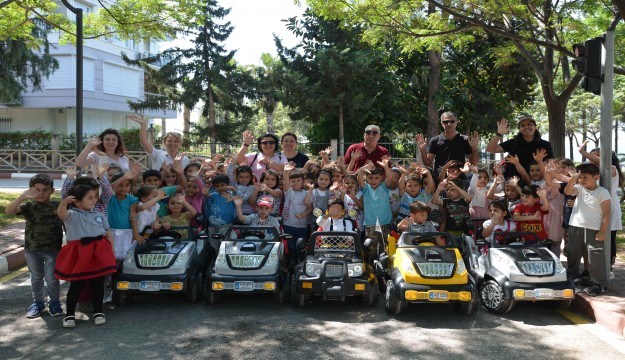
column 543, row 293
column 438, row 295
column 243, row 286
column 150, row 286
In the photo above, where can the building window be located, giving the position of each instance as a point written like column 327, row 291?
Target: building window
column 5, row 123
column 65, row 76
column 119, row 80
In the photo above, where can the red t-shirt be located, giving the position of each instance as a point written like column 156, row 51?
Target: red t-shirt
column 375, row 156
column 535, row 226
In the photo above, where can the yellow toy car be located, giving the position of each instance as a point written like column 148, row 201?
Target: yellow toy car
column 428, row 268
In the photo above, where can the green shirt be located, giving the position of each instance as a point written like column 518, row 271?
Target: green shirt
column 44, row 229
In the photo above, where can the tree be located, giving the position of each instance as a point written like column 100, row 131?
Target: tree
column 23, row 66
column 267, row 87
column 541, row 32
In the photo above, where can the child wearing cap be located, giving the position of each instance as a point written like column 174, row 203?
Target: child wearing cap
column 262, row 217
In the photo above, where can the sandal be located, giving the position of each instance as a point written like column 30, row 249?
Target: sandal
column 99, row 319
column 69, row 322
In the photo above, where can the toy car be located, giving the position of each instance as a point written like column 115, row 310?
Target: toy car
column 250, row 259
column 334, row 268
column 166, row 263
column 517, row 269
column 423, row 272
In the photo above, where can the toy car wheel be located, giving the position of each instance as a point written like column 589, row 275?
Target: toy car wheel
column 121, row 298
column 381, row 275
column 467, row 307
column 284, row 294
column 297, row 299
column 393, row 304
column 214, row 297
column 194, row 290
column 372, row 297
column 494, row 299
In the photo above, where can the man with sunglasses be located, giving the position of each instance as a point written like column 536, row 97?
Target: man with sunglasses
column 366, row 150
column 447, row 146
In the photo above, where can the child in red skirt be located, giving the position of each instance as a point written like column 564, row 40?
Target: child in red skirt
column 88, row 255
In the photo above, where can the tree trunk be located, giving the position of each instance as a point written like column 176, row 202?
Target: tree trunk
column 616, row 134
column 557, row 121
column 186, row 127
column 570, row 145
column 434, row 84
column 341, row 131
column 211, row 122
column 270, row 129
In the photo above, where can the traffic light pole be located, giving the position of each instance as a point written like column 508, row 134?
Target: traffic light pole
column 607, row 94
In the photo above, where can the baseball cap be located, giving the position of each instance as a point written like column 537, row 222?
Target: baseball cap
column 265, row 201
column 526, row 117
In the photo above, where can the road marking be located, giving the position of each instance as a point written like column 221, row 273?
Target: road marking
column 615, row 341
column 574, row 318
column 13, row 275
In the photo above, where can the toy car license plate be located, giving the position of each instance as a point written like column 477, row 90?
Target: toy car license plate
column 438, row 296
column 150, row 286
column 243, row 286
column 543, row 294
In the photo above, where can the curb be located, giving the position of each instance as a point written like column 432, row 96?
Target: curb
column 27, row 176
column 12, row 260
column 607, row 310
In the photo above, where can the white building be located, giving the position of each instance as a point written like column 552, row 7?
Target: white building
column 108, row 84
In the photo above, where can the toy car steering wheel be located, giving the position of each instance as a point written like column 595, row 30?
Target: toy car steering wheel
column 509, row 240
column 253, row 233
column 167, row 233
column 423, row 239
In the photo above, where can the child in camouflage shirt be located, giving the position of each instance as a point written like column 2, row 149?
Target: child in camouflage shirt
column 44, row 237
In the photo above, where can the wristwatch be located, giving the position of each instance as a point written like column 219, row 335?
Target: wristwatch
column 498, row 134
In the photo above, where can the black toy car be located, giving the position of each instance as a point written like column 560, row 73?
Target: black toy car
column 250, row 259
column 334, row 268
column 167, row 262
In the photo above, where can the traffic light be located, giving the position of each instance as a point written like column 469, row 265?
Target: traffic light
column 588, row 62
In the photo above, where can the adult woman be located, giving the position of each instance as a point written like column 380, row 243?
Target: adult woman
column 108, row 144
column 289, row 150
column 266, row 158
column 523, row 145
column 159, row 157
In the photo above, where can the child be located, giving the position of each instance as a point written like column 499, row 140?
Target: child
column 193, row 169
column 394, row 192
column 175, row 206
column 455, row 206
column 530, row 213
column 417, row 220
column 590, row 220
column 268, row 187
column 144, row 212
column 297, row 206
column 334, row 219
column 219, row 208
column 499, row 220
column 88, row 255
column 376, row 200
column 352, row 198
column 512, row 192
column 101, row 183
column 194, row 195
column 118, row 213
column 320, row 195
column 411, row 190
column 43, row 240
column 153, row 177
column 243, row 178
column 478, row 191
column 264, row 207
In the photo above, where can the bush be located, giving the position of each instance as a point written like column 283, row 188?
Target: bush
column 42, row 140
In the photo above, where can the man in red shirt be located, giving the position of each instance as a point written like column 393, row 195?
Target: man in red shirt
column 368, row 149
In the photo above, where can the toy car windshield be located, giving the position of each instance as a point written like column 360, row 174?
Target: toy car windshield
column 417, row 238
column 519, row 238
column 265, row 233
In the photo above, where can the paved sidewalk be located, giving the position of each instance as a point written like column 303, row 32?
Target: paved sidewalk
column 12, row 248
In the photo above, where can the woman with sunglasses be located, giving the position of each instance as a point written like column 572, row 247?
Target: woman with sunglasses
column 266, row 158
column 366, row 150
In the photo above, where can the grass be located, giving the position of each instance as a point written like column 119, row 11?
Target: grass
column 5, row 199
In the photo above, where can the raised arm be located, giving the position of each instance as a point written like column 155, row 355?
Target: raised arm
column 436, row 198
column 286, row 177
column 502, row 129
column 422, row 144
column 499, row 181
column 143, row 132
column 82, row 159
column 514, row 160
column 62, row 211
column 474, row 141
column 248, row 139
column 238, row 201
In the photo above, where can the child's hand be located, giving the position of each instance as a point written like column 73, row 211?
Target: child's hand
column 582, row 147
column 100, row 172
column 238, row 201
column 574, row 174
column 539, row 155
column 248, row 137
column 289, row 167
column 368, row 166
column 29, row 194
column 139, row 239
column 443, row 184
column 542, row 192
column 537, row 216
column 473, row 168
column 71, row 172
column 162, row 195
column 228, row 196
column 340, row 162
column 514, row 181
column 500, row 179
column 262, row 187
column 503, row 127
column 512, row 159
column 497, row 218
column 69, row 200
column 403, row 224
column 326, row 153
column 134, row 172
column 356, row 155
column 466, row 168
column 384, row 162
column 177, row 164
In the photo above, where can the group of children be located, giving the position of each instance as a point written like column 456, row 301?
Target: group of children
column 103, row 214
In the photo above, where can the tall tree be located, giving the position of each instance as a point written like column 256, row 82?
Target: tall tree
column 23, row 65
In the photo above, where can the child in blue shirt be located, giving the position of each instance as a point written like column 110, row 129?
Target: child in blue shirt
column 376, row 199
column 219, row 207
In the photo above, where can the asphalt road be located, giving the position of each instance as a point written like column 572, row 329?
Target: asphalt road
column 254, row 327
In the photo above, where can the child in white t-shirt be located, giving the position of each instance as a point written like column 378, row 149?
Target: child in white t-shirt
column 499, row 220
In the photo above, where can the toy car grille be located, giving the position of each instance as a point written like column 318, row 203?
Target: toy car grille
column 155, row 260
column 436, row 269
column 334, row 270
column 537, row 267
column 246, row 261
column 335, row 242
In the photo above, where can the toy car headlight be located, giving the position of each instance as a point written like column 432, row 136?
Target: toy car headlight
column 273, row 256
column 313, row 269
column 461, row 268
column 354, row 269
column 184, row 254
column 504, row 261
column 559, row 267
column 130, row 255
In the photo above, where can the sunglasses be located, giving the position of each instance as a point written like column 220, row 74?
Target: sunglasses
column 448, row 122
column 371, row 132
column 268, row 142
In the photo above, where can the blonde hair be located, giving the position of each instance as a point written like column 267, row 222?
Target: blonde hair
column 174, row 134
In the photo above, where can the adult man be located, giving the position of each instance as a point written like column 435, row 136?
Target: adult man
column 366, row 150
column 449, row 145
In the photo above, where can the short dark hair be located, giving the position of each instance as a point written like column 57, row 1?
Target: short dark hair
column 459, row 183
column 296, row 175
column 43, row 179
column 151, row 172
column 79, row 191
column 117, row 176
column 87, row 180
column 336, row 202
column 531, row 190
column 220, row 179
column 588, row 168
column 190, row 165
column 455, row 164
column 419, row 206
column 145, row 190
column 377, row 171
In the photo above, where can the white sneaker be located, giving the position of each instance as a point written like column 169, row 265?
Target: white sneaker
column 99, row 319
column 69, row 322
column 611, row 275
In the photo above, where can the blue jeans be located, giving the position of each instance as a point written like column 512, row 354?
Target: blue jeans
column 41, row 266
